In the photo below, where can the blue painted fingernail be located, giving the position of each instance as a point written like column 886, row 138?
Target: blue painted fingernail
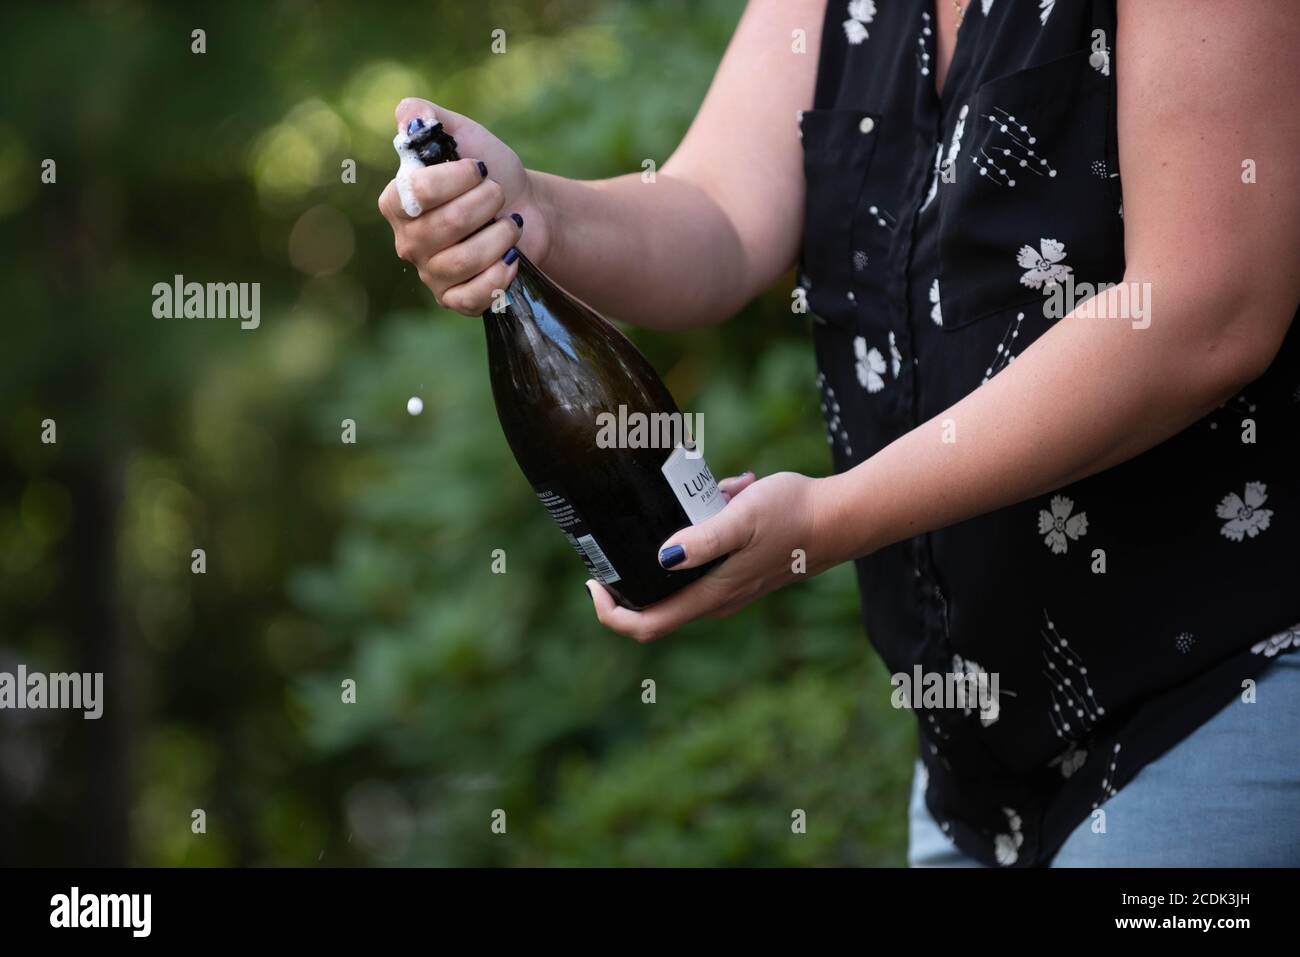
column 414, row 126
column 511, row 255
column 519, row 220
column 672, row 555
column 482, row 169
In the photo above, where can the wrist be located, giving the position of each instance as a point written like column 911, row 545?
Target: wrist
column 846, row 517
column 546, row 237
column 827, row 517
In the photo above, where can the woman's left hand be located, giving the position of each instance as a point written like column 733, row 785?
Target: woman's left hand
column 766, row 530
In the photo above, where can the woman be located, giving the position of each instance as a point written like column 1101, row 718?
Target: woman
column 1097, row 501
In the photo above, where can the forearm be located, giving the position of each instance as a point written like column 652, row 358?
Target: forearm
column 659, row 254
column 722, row 218
column 1088, row 395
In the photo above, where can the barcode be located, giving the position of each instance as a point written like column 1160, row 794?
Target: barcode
column 600, row 565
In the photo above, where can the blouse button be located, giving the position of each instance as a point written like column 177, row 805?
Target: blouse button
column 867, row 124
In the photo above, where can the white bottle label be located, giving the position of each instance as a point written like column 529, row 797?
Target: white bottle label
column 693, row 484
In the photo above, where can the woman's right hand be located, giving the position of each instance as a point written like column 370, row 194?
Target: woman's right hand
column 462, row 264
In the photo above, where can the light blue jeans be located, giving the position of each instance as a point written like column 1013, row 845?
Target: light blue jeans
column 1228, row 795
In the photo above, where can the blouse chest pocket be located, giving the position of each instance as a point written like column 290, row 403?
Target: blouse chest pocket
column 1032, row 199
column 838, row 148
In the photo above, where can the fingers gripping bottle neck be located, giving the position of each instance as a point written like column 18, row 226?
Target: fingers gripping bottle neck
column 424, row 143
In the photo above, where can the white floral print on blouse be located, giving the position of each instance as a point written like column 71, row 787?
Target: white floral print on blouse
column 1242, row 514
column 941, row 162
column 988, row 715
column 1272, row 647
column 1070, row 760
column 1099, row 60
column 871, row 365
column 954, row 147
column 936, row 308
column 861, row 12
column 1043, row 268
column 1059, row 527
column 1007, row 846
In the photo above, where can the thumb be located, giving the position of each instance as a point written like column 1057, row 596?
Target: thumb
column 413, row 107
column 699, row 544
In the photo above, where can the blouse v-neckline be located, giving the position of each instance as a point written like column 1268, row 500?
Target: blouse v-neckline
column 939, row 96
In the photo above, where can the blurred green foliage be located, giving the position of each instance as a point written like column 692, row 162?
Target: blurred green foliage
column 371, row 562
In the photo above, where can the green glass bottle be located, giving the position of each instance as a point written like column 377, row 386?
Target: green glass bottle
column 592, row 426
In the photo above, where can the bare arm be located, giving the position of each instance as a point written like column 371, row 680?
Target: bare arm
column 723, row 218
column 1197, row 96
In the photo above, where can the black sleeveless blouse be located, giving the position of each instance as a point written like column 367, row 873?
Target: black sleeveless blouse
column 1119, row 612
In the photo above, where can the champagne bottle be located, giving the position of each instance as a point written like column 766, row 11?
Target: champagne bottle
column 565, row 381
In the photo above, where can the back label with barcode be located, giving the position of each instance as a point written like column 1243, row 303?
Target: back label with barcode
column 597, row 561
column 579, row 536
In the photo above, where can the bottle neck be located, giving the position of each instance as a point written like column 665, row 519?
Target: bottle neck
column 528, row 269
column 528, row 278
column 430, row 142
